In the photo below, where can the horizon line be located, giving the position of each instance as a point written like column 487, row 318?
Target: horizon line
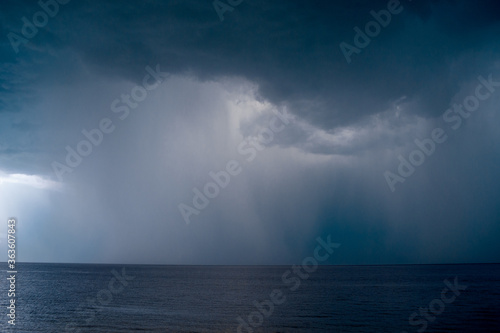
column 248, row 265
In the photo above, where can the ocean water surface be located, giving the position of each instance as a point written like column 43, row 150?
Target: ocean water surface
column 114, row 298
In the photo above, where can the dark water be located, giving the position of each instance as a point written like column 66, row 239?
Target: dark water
column 65, row 298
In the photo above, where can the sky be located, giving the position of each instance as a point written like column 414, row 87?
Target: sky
column 199, row 132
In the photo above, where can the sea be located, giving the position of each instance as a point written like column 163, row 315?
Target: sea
column 142, row 298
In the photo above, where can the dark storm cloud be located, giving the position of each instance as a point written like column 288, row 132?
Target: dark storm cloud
column 322, row 175
column 290, row 49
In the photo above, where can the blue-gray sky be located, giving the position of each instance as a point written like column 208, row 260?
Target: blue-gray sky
column 223, row 83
